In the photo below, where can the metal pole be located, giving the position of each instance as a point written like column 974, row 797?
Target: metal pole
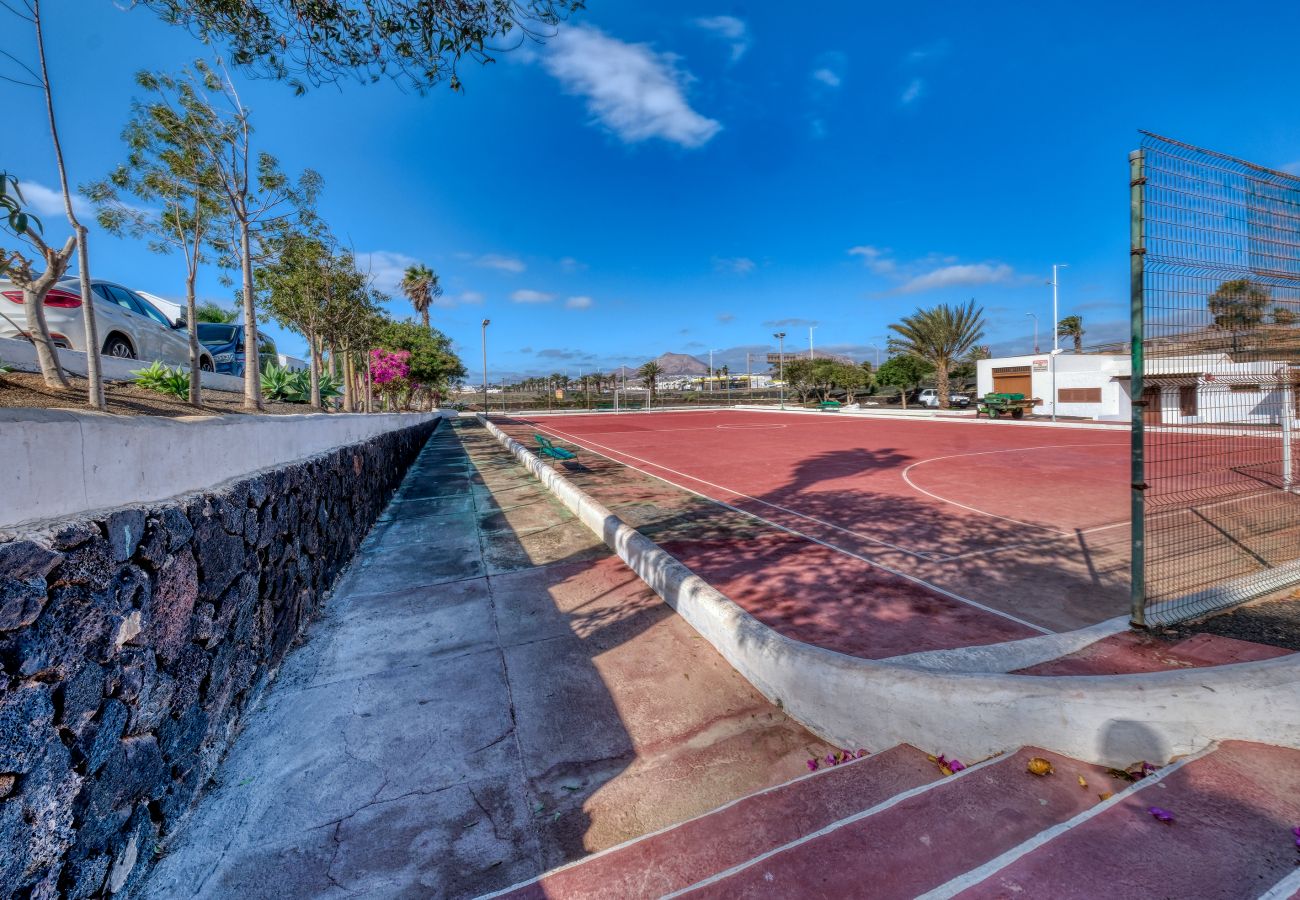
column 486, row 323
column 1288, row 430
column 710, row 371
column 749, row 377
column 780, row 361
column 1137, row 329
column 1034, row 316
column 810, row 341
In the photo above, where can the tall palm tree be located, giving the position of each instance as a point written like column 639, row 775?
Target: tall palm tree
column 941, row 336
column 649, row 374
column 421, row 287
column 1072, row 327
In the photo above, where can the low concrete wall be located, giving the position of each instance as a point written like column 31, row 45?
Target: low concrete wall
column 56, row 462
column 133, row 642
column 853, row 702
column 21, row 356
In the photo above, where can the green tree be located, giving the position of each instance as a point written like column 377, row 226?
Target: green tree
column 297, row 288
column 421, row 287
column 208, row 311
column 166, row 169
column 418, row 43
column 649, row 374
column 942, row 336
column 259, row 199
column 434, row 364
column 905, row 372
column 1072, row 327
column 1238, row 305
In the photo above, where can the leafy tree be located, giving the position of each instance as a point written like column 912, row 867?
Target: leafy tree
column 942, row 336
column 966, row 368
column 433, row 363
column 34, row 286
column 418, row 43
column 16, row 217
column 421, row 287
column 1072, row 327
column 905, row 372
column 167, row 169
column 297, row 288
column 1238, row 305
column 259, row 200
column 1284, row 315
column 649, row 374
column 208, row 311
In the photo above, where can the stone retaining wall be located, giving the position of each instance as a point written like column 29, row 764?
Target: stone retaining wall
column 132, row 642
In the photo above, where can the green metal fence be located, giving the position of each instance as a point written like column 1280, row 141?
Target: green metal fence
column 1215, row 371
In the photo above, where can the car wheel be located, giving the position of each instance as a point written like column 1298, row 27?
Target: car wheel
column 205, row 365
column 118, row 347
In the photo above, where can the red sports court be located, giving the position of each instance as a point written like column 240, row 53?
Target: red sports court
column 879, row 535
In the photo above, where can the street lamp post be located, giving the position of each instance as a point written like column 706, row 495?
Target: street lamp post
column 780, row 361
column 486, row 323
column 1056, row 329
column 811, row 329
column 1034, row 316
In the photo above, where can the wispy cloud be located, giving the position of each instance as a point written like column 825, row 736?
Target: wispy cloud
column 730, row 29
column 827, row 77
column 510, row 264
column 791, row 323
column 465, row 297
column 529, row 296
column 634, row 91
column 1292, row 168
column 386, row 268
column 913, row 92
column 929, row 51
column 579, row 302
column 569, row 264
column 877, row 259
column 46, row 201
column 959, row 276
column 726, row 318
column 736, row 265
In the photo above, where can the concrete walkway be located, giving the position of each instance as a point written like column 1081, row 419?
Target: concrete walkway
column 489, row 694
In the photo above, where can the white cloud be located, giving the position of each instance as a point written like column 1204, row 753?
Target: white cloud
column 827, row 77
column 386, row 267
column 729, row 28
column 578, row 302
column 528, row 296
column 1292, row 168
column 465, row 297
column 875, row 258
column 959, row 276
column 46, row 201
column 569, row 264
column 737, row 265
column 509, row 264
column 912, row 92
column 726, row 318
column 632, row 90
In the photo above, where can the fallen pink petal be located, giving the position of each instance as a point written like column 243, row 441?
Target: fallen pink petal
column 1161, row 815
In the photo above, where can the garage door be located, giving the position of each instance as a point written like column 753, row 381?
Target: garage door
column 1013, row 380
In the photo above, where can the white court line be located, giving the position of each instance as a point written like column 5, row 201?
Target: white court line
column 837, row 825
column 1285, row 889
column 982, row 873
column 808, row 537
column 982, row 512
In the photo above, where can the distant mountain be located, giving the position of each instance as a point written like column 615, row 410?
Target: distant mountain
column 822, row 354
column 681, row 364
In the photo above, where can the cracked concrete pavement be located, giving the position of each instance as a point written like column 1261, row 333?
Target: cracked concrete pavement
column 488, row 694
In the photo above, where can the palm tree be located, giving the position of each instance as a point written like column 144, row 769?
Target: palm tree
column 421, row 287
column 1072, row 327
column 649, row 374
column 941, row 336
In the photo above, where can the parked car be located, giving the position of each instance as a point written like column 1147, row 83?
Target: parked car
column 225, row 341
column 130, row 327
column 930, row 397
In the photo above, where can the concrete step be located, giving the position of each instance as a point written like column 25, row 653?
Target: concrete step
column 1233, row 811
column 918, row 840
column 686, row 853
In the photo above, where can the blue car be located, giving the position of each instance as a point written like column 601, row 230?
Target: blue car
column 225, row 341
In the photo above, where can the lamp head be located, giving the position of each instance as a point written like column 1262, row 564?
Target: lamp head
column 487, row 322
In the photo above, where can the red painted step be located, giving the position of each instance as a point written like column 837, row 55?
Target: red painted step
column 681, row 855
column 923, row 840
column 1231, row 837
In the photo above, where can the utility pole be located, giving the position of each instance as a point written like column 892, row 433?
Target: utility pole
column 1056, row 330
column 780, row 361
column 486, row 323
column 811, row 329
column 749, row 377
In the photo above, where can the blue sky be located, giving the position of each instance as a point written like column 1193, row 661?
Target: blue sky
column 685, row 177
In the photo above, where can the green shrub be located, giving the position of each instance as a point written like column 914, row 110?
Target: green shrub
column 285, row 386
column 165, row 380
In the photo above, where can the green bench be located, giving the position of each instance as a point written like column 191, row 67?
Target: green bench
column 829, row 404
column 546, row 448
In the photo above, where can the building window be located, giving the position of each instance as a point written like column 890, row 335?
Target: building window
column 1078, row 395
column 1244, row 388
column 1187, row 399
column 1012, row 370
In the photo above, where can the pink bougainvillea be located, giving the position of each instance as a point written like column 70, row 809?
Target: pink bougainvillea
column 387, row 366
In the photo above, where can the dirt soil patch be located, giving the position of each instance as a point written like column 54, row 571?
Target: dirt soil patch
column 28, row 390
column 1275, row 621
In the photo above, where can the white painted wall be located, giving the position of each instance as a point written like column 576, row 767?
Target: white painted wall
column 1109, row 372
column 21, row 357
column 855, row 702
column 56, row 463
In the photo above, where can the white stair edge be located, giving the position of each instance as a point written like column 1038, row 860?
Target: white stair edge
column 1285, row 889
column 841, row 823
column 982, row 873
column 704, row 815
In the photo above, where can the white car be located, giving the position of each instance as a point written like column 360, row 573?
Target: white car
column 130, row 327
column 930, row 397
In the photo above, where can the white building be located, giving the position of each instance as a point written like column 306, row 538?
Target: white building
column 1087, row 385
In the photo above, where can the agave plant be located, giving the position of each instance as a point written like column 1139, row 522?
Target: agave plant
column 165, row 380
column 284, row 386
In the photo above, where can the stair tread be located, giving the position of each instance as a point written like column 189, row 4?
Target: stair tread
column 925, row 840
column 1231, row 837
column 681, row 855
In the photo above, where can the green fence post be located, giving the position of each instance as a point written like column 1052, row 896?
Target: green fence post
column 1137, row 270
